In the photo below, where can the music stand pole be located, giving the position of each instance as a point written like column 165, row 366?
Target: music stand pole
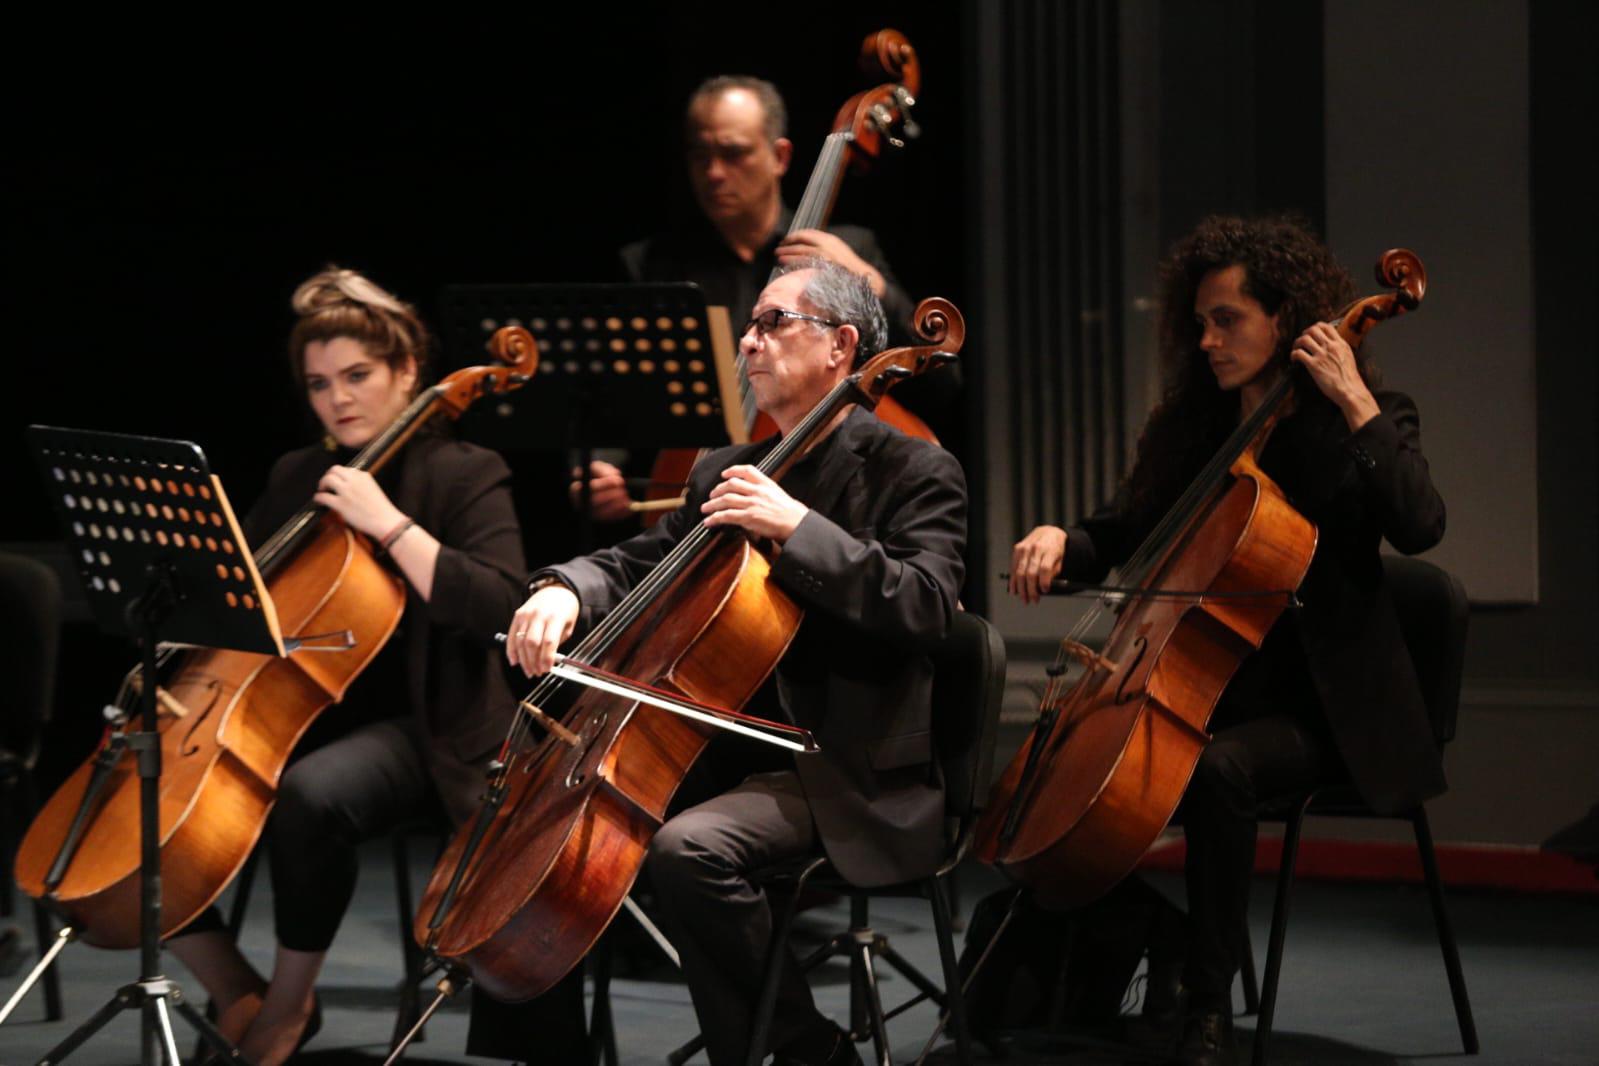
column 151, row 993
column 152, row 563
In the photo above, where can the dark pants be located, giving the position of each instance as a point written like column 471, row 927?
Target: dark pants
column 719, row 921
column 1246, row 764
column 350, row 789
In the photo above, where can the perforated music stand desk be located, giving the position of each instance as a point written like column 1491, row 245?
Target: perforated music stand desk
column 162, row 559
column 620, row 366
column 128, row 503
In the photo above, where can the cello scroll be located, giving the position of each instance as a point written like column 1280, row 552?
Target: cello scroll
column 518, row 357
column 939, row 323
column 1399, row 269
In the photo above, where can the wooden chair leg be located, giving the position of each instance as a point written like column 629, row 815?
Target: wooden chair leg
column 1279, row 929
column 1446, row 932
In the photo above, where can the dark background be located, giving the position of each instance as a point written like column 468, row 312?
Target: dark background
column 167, row 188
column 162, row 203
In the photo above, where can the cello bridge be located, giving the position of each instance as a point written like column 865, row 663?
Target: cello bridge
column 1088, row 656
column 555, row 728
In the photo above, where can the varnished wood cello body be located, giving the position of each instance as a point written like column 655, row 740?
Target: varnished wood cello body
column 1111, row 756
column 229, row 719
column 860, row 129
column 520, row 896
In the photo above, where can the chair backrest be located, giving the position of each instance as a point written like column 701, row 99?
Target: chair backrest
column 30, row 616
column 1433, row 614
column 968, row 688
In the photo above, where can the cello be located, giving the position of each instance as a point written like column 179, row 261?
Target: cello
column 520, row 896
column 860, row 129
column 229, row 719
column 1110, row 756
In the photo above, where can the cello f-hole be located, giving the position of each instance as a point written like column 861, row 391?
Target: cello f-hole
column 591, row 733
column 190, row 746
column 1140, row 645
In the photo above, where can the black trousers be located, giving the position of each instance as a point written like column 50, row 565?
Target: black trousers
column 1251, row 760
column 350, row 789
column 720, row 921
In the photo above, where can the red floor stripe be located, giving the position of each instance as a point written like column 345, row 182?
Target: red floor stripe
column 1518, row 869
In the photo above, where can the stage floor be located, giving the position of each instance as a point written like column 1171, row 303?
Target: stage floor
column 1363, row 983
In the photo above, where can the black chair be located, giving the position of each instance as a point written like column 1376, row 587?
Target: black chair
column 1433, row 614
column 31, row 609
column 968, row 684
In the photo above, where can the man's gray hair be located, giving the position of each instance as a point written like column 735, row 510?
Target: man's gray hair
column 847, row 298
column 774, row 113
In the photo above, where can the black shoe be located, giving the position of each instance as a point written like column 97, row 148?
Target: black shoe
column 1158, row 1025
column 1207, row 1039
column 841, row 1053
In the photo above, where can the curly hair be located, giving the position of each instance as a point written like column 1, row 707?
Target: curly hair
column 344, row 303
column 1293, row 277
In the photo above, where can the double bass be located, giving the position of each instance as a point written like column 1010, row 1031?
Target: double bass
column 521, row 894
column 1111, row 755
column 865, row 123
column 229, row 719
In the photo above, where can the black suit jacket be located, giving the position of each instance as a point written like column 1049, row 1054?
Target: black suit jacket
column 1358, row 488
column 453, row 677
column 877, row 566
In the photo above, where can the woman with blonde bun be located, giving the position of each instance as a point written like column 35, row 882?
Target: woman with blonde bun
column 417, row 729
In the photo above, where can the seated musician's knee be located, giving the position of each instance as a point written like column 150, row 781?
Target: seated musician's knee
column 1221, row 779
column 681, row 853
column 308, row 810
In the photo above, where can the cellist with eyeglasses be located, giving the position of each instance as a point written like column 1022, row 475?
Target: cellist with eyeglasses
column 867, row 531
column 1331, row 693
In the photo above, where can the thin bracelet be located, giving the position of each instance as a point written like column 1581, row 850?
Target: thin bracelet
column 395, row 534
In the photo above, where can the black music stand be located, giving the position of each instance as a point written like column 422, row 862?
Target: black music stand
column 620, row 366
column 162, row 559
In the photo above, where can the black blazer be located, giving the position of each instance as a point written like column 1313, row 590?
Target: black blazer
column 1358, row 488
column 877, row 566
column 455, row 684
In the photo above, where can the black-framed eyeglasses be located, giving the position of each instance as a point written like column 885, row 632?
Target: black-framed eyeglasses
column 770, row 319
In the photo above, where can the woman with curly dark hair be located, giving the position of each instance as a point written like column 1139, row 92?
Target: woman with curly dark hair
column 1331, row 694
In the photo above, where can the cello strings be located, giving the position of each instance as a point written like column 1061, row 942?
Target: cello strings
column 287, row 536
column 1177, row 520
column 678, row 559
column 814, row 207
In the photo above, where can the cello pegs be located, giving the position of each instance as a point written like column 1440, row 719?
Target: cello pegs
column 906, row 101
column 883, row 119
